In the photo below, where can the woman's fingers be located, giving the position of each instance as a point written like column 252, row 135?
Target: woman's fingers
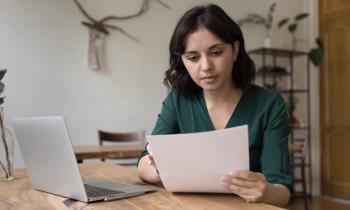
column 248, row 175
column 149, row 150
column 251, row 186
column 245, row 191
column 229, row 179
column 248, row 194
column 150, row 160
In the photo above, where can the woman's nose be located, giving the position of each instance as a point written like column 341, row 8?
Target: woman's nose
column 206, row 64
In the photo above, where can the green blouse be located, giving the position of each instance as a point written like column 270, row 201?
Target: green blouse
column 262, row 109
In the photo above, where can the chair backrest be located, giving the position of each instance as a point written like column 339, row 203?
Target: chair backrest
column 121, row 137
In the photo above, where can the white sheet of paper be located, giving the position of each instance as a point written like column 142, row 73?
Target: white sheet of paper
column 196, row 162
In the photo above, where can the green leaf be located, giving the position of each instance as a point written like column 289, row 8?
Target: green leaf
column 301, row 16
column 2, row 87
column 319, row 43
column 283, row 22
column 292, row 27
column 316, row 56
column 2, row 73
column 272, row 7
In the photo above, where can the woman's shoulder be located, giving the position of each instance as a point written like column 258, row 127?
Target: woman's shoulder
column 176, row 96
column 260, row 95
column 179, row 99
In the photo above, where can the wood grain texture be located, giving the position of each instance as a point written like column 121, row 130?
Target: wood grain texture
column 83, row 152
column 335, row 98
column 18, row 194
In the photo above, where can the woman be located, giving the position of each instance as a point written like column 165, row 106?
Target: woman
column 210, row 78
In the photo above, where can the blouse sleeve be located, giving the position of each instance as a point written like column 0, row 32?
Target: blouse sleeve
column 167, row 122
column 275, row 156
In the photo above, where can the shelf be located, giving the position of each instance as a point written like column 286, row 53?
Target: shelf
column 269, row 73
column 277, row 52
column 293, row 90
column 298, row 140
column 300, row 128
column 298, row 164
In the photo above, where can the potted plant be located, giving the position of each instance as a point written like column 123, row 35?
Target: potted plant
column 293, row 26
column 260, row 20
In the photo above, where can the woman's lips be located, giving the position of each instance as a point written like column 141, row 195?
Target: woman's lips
column 209, row 79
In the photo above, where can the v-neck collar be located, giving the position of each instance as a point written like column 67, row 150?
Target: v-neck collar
column 232, row 118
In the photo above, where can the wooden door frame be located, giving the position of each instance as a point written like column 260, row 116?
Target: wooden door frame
column 313, row 8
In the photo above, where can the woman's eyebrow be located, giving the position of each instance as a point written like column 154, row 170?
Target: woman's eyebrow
column 216, row 45
column 210, row 48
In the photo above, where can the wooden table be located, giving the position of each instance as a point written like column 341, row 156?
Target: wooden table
column 18, row 194
column 83, row 152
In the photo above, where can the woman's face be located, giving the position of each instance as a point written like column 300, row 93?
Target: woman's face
column 209, row 60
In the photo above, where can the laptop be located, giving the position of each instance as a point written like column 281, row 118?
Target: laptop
column 52, row 167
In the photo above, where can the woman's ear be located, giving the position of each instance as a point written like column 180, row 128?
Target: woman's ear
column 235, row 49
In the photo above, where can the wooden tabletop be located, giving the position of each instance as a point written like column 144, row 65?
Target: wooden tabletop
column 18, row 194
column 83, row 152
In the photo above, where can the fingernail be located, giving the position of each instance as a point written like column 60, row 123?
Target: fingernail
column 233, row 173
column 225, row 178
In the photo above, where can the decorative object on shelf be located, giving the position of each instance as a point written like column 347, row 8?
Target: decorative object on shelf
column 271, row 86
column 276, row 71
column 293, row 26
column 99, row 29
column 316, row 54
column 7, row 141
column 260, row 20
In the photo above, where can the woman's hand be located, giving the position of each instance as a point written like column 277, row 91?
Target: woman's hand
column 150, row 159
column 251, row 186
column 147, row 169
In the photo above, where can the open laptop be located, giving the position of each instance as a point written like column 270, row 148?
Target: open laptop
column 52, row 167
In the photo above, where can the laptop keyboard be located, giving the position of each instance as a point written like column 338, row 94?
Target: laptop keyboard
column 93, row 191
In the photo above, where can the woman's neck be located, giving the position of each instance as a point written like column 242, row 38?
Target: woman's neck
column 228, row 95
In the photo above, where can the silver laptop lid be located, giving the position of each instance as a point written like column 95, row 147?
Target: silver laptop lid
column 49, row 157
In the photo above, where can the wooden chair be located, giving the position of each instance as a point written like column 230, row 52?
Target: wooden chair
column 297, row 151
column 135, row 137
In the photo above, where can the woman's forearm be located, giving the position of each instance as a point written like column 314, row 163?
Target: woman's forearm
column 277, row 195
column 147, row 172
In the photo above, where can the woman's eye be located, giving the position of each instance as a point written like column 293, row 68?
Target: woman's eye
column 217, row 52
column 192, row 58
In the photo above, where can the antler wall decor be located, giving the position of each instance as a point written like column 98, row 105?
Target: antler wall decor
column 99, row 29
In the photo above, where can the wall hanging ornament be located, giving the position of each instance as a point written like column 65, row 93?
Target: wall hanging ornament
column 99, row 29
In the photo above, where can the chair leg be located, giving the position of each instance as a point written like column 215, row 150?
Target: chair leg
column 305, row 198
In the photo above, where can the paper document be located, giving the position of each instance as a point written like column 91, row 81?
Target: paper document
column 196, row 162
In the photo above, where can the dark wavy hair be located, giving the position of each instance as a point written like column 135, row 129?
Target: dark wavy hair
column 214, row 19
